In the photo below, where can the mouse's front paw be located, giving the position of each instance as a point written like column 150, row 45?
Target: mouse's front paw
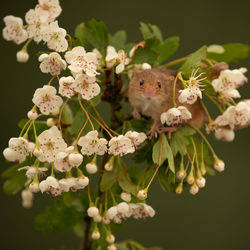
column 136, row 114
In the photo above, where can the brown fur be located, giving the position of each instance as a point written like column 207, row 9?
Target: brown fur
column 163, row 98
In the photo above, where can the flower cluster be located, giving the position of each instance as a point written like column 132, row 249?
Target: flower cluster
column 41, row 26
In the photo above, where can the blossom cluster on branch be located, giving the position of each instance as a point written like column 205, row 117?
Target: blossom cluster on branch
column 65, row 139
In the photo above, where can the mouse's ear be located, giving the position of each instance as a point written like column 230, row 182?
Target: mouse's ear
column 135, row 72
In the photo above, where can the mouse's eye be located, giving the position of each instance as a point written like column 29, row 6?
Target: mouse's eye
column 141, row 82
column 159, row 84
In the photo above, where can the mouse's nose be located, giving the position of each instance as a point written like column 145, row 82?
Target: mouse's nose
column 150, row 91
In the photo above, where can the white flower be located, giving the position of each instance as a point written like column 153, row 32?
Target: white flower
column 190, row 94
column 224, row 134
column 27, row 198
column 194, row 189
column 19, row 148
column 126, row 196
column 52, row 185
column 93, row 211
column 238, row 115
column 111, row 247
column 112, row 212
column 219, row 165
column 142, row 194
column 67, row 184
column 46, row 99
column 22, row 56
column 136, row 138
column 82, row 182
column 123, row 208
column 110, row 238
column 122, row 60
column 141, row 210
column 176, row 116
column 91, row 144
column 34, row 187
column 82, row 62
column 61, row 162
column 99, row 57
column 14, row 30
column 75, row 159
column 201, row 182
column 86, row 86
column 96, row 235
column 31, row 171
column 111, row 57
column 55, row 37
column 36, row 27
column 228, row 81
column 91, row 168
column 48, row 9
column 51, row 143
column 66, row 86
column 52, row 63
column 120, row 145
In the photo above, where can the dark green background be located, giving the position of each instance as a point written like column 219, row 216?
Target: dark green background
column 218, row 217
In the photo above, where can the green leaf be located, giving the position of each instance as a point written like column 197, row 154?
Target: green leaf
column 78, row 229
column 149, row 30
column 97, row 35
column 159, row 150
column 179, row 141
column 193, row 62
column 166, row 179
column 168, row 48
column 233, row 52
column 162, row 147
column 67, row 199
column 80, row 34
column 15, row 184
column 118, row 40
column 108, row 179
column 149, row 54
column 57, row 218
column 67, row 115
column 124, row 180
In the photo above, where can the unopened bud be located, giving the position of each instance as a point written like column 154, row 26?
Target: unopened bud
column 75, row 159
column 201, row 182
column 181, row 174
column 219, row 165
column 110, row 238
column 91, row 168
column 22, row 56
column 32, row 115
column 179, row 188
column 96, row 235
column 142, row 194
column 50, row 122
column 194, row 189
column 126, row 196
column 34, row 187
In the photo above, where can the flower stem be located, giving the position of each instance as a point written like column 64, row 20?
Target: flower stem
column 60, row 115
column 176, row 62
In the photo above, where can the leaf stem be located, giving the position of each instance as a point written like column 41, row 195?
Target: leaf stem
column 176, row 62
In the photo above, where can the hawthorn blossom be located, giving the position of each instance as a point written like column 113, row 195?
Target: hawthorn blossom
column 51, row 185
column 120, row 145
column 46, row 100
column 66, row 86
column 238, row 115
column 19, row 148
column 118, row 213
column 61, row 162
column 86, row 86
column 224, row 134
column 31, row 171
column 112, row 57
column 141, row 210
column 14, row 30
column 190, row 94
column 55, row 37
column 91, row 144
column 228, row 81
column 51, row 143
column 52, row 63
column 67, row 184
column 99, row 57
column 48, row 9
column 36, row 27
column 27, row 198
column 82, row 62
column 136, row 138
column 175, row 116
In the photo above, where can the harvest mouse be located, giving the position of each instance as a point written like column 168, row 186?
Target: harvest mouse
column 151, row 94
